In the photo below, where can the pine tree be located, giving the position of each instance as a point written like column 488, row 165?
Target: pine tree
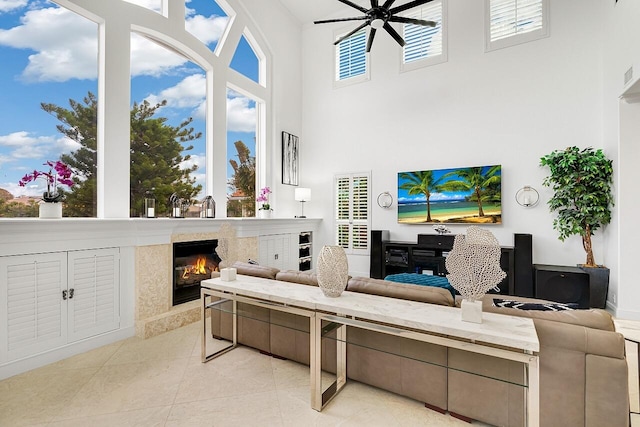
column 156, row 156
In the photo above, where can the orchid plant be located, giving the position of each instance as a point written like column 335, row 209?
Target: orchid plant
column 59, row 173
column 264, row 198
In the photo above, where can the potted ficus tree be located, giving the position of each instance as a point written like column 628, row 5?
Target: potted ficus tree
column 581, row 181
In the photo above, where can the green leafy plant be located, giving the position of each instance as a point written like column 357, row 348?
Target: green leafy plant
column 581, row 181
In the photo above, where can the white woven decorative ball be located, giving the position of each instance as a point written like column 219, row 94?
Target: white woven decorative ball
column 332, row 270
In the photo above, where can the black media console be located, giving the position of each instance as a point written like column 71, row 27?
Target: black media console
column 424, row 257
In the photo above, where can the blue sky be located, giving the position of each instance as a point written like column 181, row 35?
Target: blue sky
column 38, row 41
column 404, row 197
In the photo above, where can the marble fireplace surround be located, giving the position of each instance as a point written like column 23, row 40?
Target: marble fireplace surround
column 155, row 313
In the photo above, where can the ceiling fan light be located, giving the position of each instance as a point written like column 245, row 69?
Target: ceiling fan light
column 377, row 23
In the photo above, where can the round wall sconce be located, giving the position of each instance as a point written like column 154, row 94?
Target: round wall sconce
column 385, row 200
column 527, row 196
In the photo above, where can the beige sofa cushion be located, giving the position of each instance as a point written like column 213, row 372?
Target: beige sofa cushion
column 295, row 276
column 406, row 291
column 256, row 270
column 593, row 318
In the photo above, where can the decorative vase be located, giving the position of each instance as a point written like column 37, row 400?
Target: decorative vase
column 50, row 210
column 264, row 213
column 333, row 270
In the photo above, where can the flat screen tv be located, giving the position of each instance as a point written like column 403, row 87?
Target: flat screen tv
column 458, row 196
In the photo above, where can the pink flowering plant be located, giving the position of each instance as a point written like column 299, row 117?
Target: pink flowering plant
column 264, row 198
column 59, row 173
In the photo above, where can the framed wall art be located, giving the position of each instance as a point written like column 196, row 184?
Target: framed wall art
column 290, row 159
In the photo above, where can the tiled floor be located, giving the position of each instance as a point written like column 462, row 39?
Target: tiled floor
column 161, row 382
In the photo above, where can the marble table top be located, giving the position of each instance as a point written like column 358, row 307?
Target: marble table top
column 629, row 328
column 498, row 329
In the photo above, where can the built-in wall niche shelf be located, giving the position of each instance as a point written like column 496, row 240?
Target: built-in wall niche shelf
column 632, row 94
column 305, row 250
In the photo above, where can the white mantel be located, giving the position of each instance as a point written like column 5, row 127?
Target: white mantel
column 29, row 235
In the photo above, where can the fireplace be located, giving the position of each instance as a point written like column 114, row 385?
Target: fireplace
column 192, row 262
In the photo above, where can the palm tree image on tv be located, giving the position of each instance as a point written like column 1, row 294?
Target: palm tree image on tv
column 461, row 195
column 420, row 183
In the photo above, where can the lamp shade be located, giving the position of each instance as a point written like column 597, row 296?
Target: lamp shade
column 302, row 194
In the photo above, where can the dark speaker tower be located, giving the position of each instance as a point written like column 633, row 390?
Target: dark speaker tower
column 562, row 284
column 523, row 265
column 376, row 256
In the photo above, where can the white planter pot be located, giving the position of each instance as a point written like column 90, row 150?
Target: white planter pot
column 264, row 213
column 50, row 210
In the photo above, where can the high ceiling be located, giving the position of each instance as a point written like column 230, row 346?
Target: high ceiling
column 309, row 10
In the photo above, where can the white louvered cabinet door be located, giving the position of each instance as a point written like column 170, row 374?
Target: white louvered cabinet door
column 31, row 289
column 94, row 292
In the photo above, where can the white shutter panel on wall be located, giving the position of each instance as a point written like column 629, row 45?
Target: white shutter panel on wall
column 352, row 201
column 351, row 59
column 35, row 316
column 94, row 281
column 511, row 17
column 423, row 42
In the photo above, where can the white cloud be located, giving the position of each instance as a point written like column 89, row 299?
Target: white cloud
column 23, row 145
column 207, row 30
column 151, row 59
column 195, row 160
column 189, row 93
column 241, row 117
column 66, row 44
column 9, row 5
column 155, row 5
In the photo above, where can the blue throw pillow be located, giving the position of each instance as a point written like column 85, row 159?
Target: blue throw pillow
column 422, row 280
column 544, row 306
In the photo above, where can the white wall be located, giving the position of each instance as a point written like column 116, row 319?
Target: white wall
column 508, row 107
column 621, row 136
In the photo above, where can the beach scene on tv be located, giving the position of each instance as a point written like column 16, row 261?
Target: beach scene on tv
column 461, row 195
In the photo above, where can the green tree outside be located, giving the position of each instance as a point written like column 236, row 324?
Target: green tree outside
column 156, row 155
column 243, row 181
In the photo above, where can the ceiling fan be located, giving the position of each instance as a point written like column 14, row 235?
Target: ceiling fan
column 379, row 17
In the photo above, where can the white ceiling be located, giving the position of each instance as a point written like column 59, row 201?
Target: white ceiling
column 309, row 10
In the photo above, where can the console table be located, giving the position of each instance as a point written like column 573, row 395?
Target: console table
column 506, row 337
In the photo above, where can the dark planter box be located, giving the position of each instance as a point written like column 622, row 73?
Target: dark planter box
column 598, row 285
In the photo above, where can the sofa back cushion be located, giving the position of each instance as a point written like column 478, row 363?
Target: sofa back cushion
column 385, row 288
column 256, row 270
column 295, row 276
column 593, row 318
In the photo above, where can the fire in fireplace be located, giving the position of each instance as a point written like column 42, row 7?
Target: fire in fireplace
column 192, row 263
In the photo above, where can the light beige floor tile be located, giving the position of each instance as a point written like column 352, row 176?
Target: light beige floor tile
column 259, row 409
column 176, row 344
column 151, row 417
column 240, row 372
column 34, row 397
column 126, row 387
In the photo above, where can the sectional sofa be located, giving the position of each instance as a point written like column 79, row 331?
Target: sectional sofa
column 583, row 371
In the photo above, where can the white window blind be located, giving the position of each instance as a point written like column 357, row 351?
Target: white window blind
column 515, row 21
column 353, row 212
column 424, row 42
column 351, row 58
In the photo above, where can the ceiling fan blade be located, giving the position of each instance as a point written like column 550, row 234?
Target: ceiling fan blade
column 374, row 4
column 408, row 6
column 404, row 20
column 355, row 18
column 346, row 36
column 372, row 34
column 394, row 34
column 387, row 4
column 355, row 6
